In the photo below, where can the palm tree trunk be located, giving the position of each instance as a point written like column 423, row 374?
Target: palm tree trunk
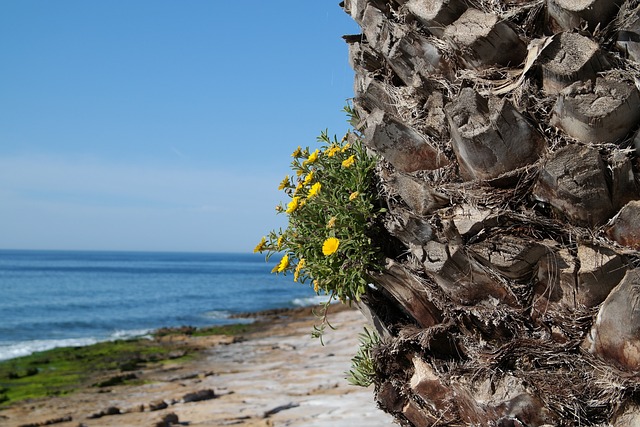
column 507, row 136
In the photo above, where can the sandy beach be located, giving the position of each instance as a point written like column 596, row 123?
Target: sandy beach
column 277, row 376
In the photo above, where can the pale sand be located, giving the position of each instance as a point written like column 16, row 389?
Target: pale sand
column 282, row 370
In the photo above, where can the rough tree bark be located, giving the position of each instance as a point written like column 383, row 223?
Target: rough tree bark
column 508, row 140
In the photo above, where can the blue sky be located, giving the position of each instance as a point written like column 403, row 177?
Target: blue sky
column 160, row 125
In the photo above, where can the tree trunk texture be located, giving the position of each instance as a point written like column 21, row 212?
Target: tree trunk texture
column 508, row 138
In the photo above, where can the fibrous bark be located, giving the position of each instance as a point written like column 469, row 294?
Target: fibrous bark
column 625, row 227
column 615, row 333
column 573, row 181
column 628, row 40
column 602, row 112
column 508, row 138
column 485, row 40
column 568, row 14
column 436, row 15
column 490, row 137
column 404, row 147
column 570, row 57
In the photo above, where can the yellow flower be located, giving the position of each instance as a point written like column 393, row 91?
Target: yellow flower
column 296, row 273
column 315, row 188
column 316, row 286
column 353, row 195
column 330, row 246
column 297, row 152
column 284, row 184
column 293, row 205
column 346, row 147
column 333, row 150
column 282, row 266
column 349, row 162
column 308, row 178
column 298, row 187
column 299, row 172
column 280, row 240
column 332, row 222
column 312, row 158
column 260, row 246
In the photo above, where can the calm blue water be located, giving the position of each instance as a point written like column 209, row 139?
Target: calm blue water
column 63, row 298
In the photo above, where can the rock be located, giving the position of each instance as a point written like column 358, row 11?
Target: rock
column 198, row 396
column 615, row 335
column 572, row 180
column 280, row 408
column 402, row 146
column 112, row 410
column 157, row 405
column 133, row 409
column 604, row 112
column 490, row 137
column 48, row 422
column 168, row 420
column 625, row 226
column 116, row 380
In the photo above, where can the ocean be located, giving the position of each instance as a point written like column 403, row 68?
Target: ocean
column 72, row 298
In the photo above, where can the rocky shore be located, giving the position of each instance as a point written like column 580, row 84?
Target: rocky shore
column 276, row 375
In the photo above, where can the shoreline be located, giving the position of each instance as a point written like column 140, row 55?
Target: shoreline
column 270, row 373
column 232, row 320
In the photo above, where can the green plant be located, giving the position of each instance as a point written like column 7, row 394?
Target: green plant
column 333, row 214
column 362, row 370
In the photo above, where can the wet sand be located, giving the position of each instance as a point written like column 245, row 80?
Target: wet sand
column 277, row 376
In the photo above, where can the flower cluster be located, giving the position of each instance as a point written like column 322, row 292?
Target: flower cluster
column 333, row 212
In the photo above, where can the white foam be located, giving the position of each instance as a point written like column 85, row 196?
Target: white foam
column 134, row 333
column 309, row 301
column 25, row 348
column 217, row 314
